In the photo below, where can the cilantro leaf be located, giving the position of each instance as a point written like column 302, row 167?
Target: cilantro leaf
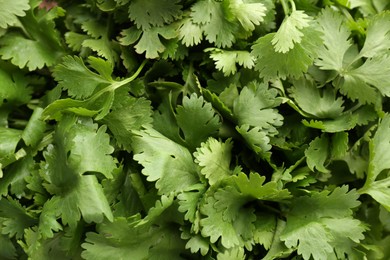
column 41, row 48
column 315, row 224
column 317, row 154
column 15, row 218
column 81, row 82
column 321, row 103
column 336, row 37
column 289, row 32
column 78, row 149
column 127, row 114
column 378, row 36
column 255, row 107
column 214, row 158
column 172, row 166
column 205, row 121
column 374, row 72
column 7, row 249
column 190, row 33
column 231, row 233
column 379, row 155
column 226, row 60
column 210, row 15
column 253, row 187
column 14, row 90
column 10, row 10
column 247, row 13
column 293, row 63
column 154, row 13
column 150, row 41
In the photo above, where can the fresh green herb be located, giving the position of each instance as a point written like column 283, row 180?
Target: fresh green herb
column 194, row 129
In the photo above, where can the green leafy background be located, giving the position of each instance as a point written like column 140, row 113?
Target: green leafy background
column 194, row 129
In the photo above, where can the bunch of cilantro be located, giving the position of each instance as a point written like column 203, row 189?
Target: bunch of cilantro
column 194, row 129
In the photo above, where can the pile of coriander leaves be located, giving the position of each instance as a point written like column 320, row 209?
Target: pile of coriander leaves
column 194, row 129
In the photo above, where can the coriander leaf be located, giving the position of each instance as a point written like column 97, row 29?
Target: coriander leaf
column 226, row 60
column 289, row 32
column 197, row 243
column 10, row 10
column 35, row 128
column 85, row 198
column 321, row 103
column 103, row 47
column 254, row 188
column 189, row 200
column 39, row 47
column 255, row 107
column 211, row 16
column 154, row 12
column 317, row 153
column 235, row 253
column 378, row 36
column 16, row 218
column 230, row 233
column 81, row 82
column 7, row 249
column 272, row 64
column 78, row 149
column 75, row 40
column 127, row 240
column 13, row 181
column 48, row 219
column 352, row 86
column 14, row 89
column 336, row 37
column 204, row 121
column 9, row 139
column 172, row 165
column 265, row 227
column 313, row 224
column 374, row 72
column 248, row 14
column 91, row 149
column 344, row 122
column 128, row 113
column 378, row 162
column 256, row 138
column 214, row 158
column 150, row 41
column 190, row 33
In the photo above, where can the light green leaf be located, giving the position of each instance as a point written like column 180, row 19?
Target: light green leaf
column 214, row 158
column 248, row 14
column 290, row 31
column 172, row 165
column 190, row 33
column 314, row 224
column 272, row 64
column 317, row 153
column 255, row 107
column 10, row 10
column 197, row 120
column 226, row 60
column 377, row 36
column 154, row 12
column 150, row 42
column 127, row 114
column 321, row 103
column 336, row 37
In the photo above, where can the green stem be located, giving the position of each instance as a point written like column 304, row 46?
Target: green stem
column 286, row 9
column 119, row 84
